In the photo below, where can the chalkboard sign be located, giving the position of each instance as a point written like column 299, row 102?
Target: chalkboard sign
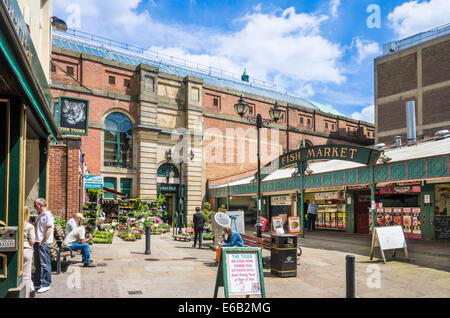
column 240, row 272
column 388, row 238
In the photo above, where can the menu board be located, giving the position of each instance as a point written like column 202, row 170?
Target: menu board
column 243, row 274
column 277, row 223
column 409, row 219
column 388, row 238
column 240, row 272
column 388, row 216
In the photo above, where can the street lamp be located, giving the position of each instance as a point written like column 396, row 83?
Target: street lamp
column 276, row 113
column 58, row 24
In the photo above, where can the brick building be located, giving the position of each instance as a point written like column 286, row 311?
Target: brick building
column 413, row 69
column 138, row 101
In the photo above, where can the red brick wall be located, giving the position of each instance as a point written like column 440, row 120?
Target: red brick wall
column 63, row 194
column 397, row 75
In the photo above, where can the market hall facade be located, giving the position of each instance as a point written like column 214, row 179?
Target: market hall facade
column 410, row 184
column 139, row 108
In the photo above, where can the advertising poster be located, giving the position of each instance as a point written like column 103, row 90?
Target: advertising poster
column 340, row 221
column 294, row 224
column 243, row 274
column 388, row 216
column 407, row 220
column 397, row 217
column 277, row 223
column 320, row 219
column 379, row 217
column 333, row 220
column 327, row 220
column 416, row 221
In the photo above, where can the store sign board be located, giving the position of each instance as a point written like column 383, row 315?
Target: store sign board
column 280, row 200
column 73, row 115
column 240, row 272
column 352, row 153
column 338, row 195
column 167, row 188
column 93, row 182
column 388, row 238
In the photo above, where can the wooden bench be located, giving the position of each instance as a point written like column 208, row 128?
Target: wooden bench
column 61, row 251
column 252, row 241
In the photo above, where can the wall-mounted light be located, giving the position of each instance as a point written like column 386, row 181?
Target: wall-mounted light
column 58, row 24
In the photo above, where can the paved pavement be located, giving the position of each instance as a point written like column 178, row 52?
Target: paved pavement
column 176, row 270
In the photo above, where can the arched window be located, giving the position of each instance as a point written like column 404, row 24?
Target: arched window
column 118, row 147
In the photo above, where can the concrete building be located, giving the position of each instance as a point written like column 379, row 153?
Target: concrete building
column 157, row 98
column 413, row 69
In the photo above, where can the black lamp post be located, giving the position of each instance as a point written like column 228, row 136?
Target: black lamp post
column 241, row 108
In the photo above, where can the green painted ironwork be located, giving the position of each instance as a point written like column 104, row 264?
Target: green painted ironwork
column 417, row 169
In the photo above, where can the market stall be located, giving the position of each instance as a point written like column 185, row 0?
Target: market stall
column 331, row 210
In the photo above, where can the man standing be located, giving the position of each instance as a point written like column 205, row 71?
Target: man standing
column 312, row 213
column 73, row 223
column 44, row 238
column 305, row 213
column 199, row 223
column 77, row 241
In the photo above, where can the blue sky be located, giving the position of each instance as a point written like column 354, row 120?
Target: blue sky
column 322, row 50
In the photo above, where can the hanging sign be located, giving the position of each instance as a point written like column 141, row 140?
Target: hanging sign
column 93, row 182
column 73, row 115
column 294, row 225
column 240, row 272
column 388, row 238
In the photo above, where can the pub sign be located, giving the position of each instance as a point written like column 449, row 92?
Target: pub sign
column 73, row 115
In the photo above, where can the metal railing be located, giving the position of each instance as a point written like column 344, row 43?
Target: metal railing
column 183, row 64
column 416, row 39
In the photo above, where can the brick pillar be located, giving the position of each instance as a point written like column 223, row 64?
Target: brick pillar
column 64, row 177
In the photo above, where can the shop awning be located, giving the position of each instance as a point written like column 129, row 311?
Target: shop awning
column 120, row 194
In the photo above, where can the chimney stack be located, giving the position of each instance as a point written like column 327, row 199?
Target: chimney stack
column 411, row 121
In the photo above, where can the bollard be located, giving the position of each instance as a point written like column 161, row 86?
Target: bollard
column 350, row 275
column 147, row 240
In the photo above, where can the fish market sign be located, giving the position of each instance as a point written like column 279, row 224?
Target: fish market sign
column 358, row 154
column 13, row 10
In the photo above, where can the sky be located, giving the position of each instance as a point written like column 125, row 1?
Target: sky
column 322, row 50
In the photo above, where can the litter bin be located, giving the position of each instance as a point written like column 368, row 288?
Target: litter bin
column 283, row 255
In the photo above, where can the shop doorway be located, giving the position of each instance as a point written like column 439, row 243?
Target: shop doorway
column 362, row 205
column 170, row 208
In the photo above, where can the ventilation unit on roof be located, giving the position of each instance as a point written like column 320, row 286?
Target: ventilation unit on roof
column 442, row 134
column 379, row 146
column 398, row 141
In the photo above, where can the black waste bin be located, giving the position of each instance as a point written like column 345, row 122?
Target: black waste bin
column 283, row 255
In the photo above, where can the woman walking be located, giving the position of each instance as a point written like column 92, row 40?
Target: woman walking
column 28, row 242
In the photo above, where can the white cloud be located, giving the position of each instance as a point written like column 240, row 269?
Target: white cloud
column 414, row 17
column 366, row 49
column 282, row 45
column 367, row 114
column 334, row 4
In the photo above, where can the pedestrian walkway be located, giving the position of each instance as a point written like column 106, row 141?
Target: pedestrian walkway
column 176, row 270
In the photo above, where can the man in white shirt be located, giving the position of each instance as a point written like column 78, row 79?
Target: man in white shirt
column 73, row 223
column 77, row 241
column 44, row 237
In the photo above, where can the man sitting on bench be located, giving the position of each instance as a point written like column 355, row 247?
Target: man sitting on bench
column 233, row 238
column 77, row 241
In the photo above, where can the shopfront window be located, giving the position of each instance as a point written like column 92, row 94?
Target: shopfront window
column 442, row 200
column 118, row 144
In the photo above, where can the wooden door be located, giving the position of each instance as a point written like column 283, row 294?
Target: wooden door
column 362, row 204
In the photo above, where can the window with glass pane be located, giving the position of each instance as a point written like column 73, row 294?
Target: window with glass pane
column 118, row 147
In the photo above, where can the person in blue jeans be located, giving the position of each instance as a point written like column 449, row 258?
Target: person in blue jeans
column 42, row 278
column 78, row 240
column 233, row 238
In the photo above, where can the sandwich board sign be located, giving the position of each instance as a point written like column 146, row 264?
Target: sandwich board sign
column 294, row 225
column 388, row 238
column 240, row 272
